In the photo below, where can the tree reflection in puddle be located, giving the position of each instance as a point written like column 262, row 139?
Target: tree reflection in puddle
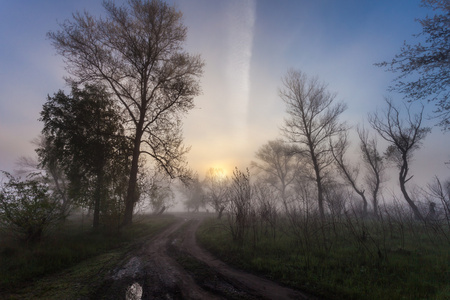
column 134, row 292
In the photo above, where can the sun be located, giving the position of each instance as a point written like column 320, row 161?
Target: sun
column 221, row 174
column 218, row 171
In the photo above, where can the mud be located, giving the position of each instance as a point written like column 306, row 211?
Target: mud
column 153, row 272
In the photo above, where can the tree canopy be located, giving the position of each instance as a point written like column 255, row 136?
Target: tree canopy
column 424, row 67
column 136, row 52
column 85, row 136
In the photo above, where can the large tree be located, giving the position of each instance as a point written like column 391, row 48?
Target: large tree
column 136, row 51
column 404, row 135
column 312, row 123
column 83, row 135
column 424, row 68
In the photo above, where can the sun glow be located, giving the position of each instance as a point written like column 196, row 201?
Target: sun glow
column 219, row 172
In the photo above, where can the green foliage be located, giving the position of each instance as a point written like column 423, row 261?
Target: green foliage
column 27, row 208
column 85, row 136
column 348, row 259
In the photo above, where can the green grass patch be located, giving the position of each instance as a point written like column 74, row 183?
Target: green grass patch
column 73, row 252
column 338, row 264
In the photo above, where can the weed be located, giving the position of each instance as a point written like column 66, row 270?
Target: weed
column 378, row 266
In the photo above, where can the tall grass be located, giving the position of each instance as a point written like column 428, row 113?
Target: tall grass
column 68, row 245
column 346, row 257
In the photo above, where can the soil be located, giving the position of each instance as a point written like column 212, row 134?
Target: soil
column 171, row 265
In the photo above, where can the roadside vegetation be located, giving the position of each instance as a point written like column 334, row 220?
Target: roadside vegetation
column 70, row 259
column 342, row 258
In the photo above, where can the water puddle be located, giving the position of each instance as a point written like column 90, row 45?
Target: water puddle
column 134, row 292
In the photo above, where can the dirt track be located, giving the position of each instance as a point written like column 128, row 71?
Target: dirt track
column 157, row 275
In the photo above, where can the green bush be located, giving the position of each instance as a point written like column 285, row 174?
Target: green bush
column 27, row 208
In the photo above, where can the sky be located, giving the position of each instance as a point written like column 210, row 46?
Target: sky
column 248, row 46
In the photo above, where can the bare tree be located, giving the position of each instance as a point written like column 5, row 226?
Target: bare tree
column 374, row 165
column 216, row 185
column 280, row 163
column 136, row 52
column 156, row 189
column 349, row 173
column 312, row 122
column 404, row 136
column 424, row 67
column 440, row 191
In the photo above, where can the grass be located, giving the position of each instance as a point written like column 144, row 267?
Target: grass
column 69, row 261
column 339, row 264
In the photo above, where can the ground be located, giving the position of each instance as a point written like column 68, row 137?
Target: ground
column 172, row 266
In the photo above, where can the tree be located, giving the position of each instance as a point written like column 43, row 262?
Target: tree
column 52, row 174
column 374, row 163
column 27, row 207
column 136, row 52
column 426, row 66
column 350, row 174
column 280, row 163
column 404, row 137
column 84, row 135
column 194, row 194
column 216, row 185
column 439, row 191
column 312, row 123
column 156, row 188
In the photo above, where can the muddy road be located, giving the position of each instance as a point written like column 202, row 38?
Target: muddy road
column 172, row 266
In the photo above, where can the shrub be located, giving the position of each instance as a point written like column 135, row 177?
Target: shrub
column 27, row 208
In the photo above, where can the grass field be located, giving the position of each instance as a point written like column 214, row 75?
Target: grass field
column 70, row 260
column 341, row 259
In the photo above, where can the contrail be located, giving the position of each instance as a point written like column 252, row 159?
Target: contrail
column 242, row 15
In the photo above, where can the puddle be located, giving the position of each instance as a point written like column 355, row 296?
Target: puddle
column 131, row 269
column 134, row 292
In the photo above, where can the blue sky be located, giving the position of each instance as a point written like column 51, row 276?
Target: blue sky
column 248, row 45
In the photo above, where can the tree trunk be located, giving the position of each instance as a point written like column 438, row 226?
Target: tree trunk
column 411, row 203
column 320, row 198
column 403, row 180
column 219, row 216
column 319, row 186
column 132, row 183
column 364, row 206
column 98, row 188
column 375, row 199
column 97, row 199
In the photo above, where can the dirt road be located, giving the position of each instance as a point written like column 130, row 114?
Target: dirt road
column 172, row 266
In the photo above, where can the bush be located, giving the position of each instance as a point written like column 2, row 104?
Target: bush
column 27, row 208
